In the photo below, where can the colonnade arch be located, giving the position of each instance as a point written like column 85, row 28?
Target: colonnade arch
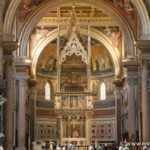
column 94, row 34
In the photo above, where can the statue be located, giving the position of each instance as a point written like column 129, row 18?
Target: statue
column 90, row 102
column 57, row 102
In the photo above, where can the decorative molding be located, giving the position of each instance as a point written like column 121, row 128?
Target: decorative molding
column 145, row 57
column 132, row 80
column 94, row 21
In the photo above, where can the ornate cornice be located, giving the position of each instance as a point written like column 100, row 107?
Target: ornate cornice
column 94, row 21
column 22, row 62
column 143, row 45
column 9, row 47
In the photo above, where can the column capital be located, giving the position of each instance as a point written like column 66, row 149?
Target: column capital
column 132, row 80
column 21, row 78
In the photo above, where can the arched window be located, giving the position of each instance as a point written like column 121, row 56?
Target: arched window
column 103, row 91
column 47, row 91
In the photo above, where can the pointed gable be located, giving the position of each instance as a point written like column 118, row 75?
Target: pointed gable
column 73, row 46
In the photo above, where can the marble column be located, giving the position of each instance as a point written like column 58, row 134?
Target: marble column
column 132, row 83
column 21, row 78
column 8, row 107
column 145, row 103
column 118, row 99
column 33, row 92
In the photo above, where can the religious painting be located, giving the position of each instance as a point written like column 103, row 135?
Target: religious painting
column 73, row 102
column 65, row 101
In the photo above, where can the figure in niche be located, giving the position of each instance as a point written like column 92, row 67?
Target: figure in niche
column 51, row 63
column 57, row 102
column 100, row 63
column 90, row 102
column 38, row 34
column 74, row 102
column 80, row 103
column 66, row 103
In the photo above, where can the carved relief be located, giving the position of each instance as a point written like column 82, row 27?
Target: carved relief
column 38, row 34
column 90, row 102
column 57, row 102
column 114, row 34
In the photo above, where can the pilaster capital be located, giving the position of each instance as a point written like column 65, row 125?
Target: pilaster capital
column 132, row 80
column 21, row 78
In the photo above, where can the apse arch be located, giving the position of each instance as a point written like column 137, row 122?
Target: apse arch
column 102, row 5
column 94, row 34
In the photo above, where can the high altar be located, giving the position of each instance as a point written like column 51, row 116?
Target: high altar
column 73, row 101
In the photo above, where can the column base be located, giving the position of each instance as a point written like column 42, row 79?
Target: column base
column 21, row 148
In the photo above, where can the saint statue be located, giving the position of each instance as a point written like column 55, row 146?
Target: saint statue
column 57, row 102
